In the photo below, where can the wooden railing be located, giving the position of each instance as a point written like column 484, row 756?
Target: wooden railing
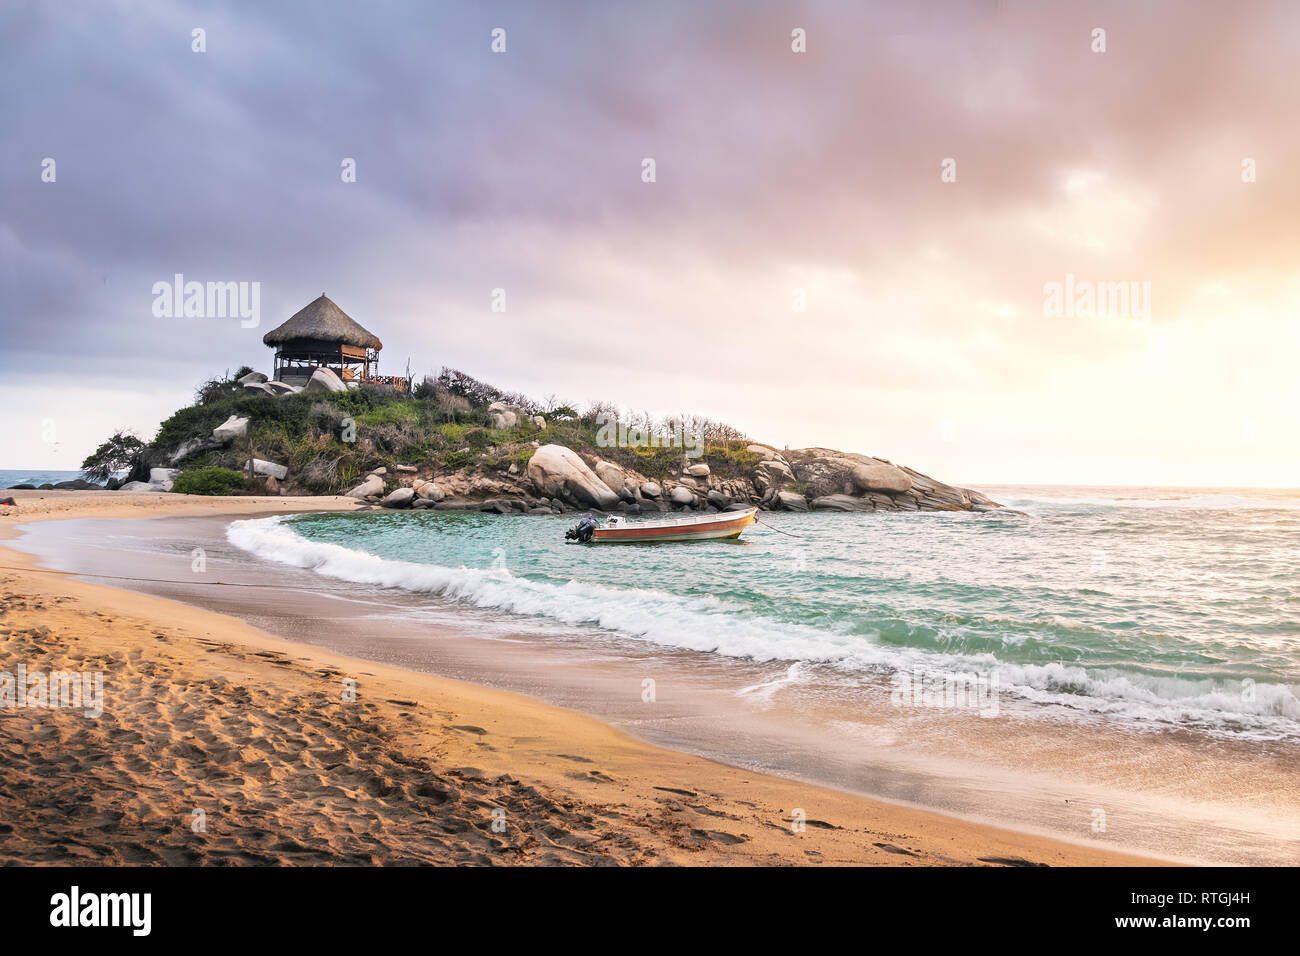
column 399, row 383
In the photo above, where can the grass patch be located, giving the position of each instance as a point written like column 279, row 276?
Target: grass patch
column 209, row 481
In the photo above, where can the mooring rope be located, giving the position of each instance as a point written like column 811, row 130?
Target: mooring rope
column 758, row 520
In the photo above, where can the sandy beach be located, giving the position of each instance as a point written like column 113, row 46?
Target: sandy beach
column 221, row 744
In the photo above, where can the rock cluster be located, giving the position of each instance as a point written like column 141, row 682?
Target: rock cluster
column 558, row 479
column 322, row 380
column 160, row 479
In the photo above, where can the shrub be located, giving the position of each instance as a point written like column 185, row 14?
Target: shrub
column 216, row 389
column 348, row 474
column 452, row 407
column 325, row 417
column 320, row 474
column 729, row 461
column 209, row 481
column 457, row 459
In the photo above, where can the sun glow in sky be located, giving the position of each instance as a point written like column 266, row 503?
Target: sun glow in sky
column 924, row 337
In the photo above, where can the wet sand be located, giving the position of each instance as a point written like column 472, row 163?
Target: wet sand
column 206, row 713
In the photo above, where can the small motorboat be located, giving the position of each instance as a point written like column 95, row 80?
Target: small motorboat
column 615, row 530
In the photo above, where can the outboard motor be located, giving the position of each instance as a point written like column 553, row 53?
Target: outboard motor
column 582, row 531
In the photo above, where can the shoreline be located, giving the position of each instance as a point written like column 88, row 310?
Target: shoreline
column 636, row 803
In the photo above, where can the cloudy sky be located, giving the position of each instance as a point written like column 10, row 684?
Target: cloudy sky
column 924, row 336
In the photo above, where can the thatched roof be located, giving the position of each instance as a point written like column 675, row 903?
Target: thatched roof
column 322, row 319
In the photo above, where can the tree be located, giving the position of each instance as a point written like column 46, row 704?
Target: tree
column 119, row 453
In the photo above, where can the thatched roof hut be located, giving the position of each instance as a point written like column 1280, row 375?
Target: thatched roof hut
column 322, row 335
column 323, row 321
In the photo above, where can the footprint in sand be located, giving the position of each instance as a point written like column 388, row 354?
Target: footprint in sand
column 819, row 824
column 574, row 758
column 595, row 775
column 1009, row 861
column 890, row 848
column 684, row 793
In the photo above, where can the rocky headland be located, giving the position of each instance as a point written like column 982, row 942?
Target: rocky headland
column 459, row 444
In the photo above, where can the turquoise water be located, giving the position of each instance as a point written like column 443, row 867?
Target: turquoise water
column 1156, row 608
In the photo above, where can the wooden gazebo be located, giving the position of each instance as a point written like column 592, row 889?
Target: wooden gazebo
column 322, row 335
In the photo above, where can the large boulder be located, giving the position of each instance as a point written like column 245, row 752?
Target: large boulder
column 719, row 500
column 612, row 476
column 268, row 468
column 789, row 501
column 428, row 491
column 979, row 502
column 324, row 380
column 141, row 486
column 191, row 446
column 160, row 479
column 373, row 485
column 260, row 388
column 879, row 476
column 842, row 503
column 762, row 451
column 682, row 496
column 283, row 388
column 772, row 474
column 251, row 378
column 232, row 428
column 698, row 470
column 539, row 421
column 163, row 477
column 651, row 489
column 399, row 498
column 501, row 415
column 558, row 472
column 826, row 472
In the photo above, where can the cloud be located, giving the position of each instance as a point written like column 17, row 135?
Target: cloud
column 776, row 171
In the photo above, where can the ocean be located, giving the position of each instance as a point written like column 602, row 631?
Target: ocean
column 1151, row 608
column 34, row 476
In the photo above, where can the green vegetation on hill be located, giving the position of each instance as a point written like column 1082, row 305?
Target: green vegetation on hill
column 329, row 440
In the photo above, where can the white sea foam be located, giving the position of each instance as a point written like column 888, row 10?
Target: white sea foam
column 711, row 625
column 700, row 624
column 764, row 691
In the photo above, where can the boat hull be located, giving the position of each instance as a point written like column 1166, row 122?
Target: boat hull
column 707, row 529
